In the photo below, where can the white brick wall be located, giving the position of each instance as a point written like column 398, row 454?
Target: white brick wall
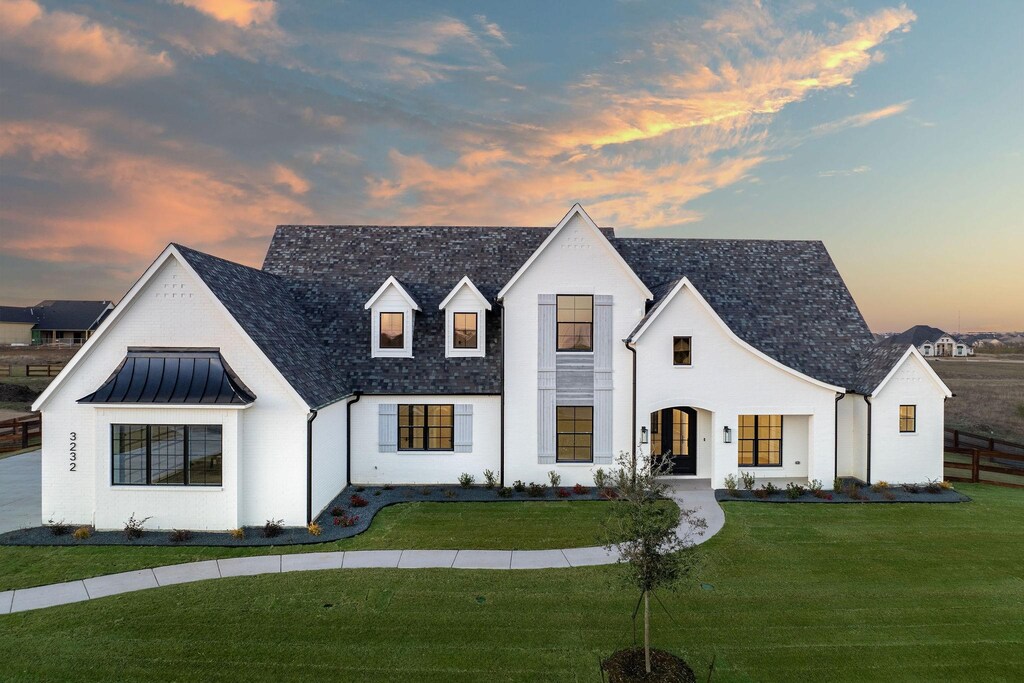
column 329, row 433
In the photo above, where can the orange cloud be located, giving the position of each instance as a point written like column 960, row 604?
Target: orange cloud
column 290, row 179
column 42, row 139
column 74, row 47
column 241, row 13
column 863, row 119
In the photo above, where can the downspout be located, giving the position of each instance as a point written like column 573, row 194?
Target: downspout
column 309, row 465
column 632, row 349
column 348, row 436
column 501, row 432
column 868, row 401
column 835, row 472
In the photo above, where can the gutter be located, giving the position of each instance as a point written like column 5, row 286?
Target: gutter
column 868, row 401
column 835, row 471
column 348, row 436
column 501, row 449
column 632, row 349
column 309, row 465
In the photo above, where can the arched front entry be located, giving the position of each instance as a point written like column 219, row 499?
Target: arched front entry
column 674, row 435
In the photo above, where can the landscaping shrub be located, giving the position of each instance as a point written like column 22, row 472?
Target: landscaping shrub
column 771, row 489
column 273, row 528
column 238, row 533
column 358, row 501
column 388, row 487
column 824, row 495
column 748, row 480
column 946, row 485
column 449, row 494
column 555, row 478
column 933, row 486
column 537, row 490
column 562, row 492
column 600, row 478
column 345, row 520
column 58, row 528
column 466, row 480
column 490, row 479
column 911, row 488
column 82, row 533
column 337, row 510
column 853, row 491
column 518, row 486
column 377, row 492
column 837, row 484
column 134, row 528
column 180, row 535
column 794, row 490
column 580, row 490
column 761, row 493
column 732, row 485
column 608, row 493
column 814, row 486
column 888, row 495
column 314, row 529
column 426, row 491
column 880, row 486
column 504, row 492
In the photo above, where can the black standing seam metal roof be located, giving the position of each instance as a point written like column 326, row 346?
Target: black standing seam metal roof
column 172, row 377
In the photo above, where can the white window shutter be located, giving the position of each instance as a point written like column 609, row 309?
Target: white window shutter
column 387, row 432
column 463, row 428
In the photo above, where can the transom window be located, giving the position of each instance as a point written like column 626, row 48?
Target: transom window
column 465, row 334
column 167, row 455
column 681, row 351
column 908, row 418
column 426, row 427
column 575, row 434
column 392, row 331
column 760, row 440
column 575, row 322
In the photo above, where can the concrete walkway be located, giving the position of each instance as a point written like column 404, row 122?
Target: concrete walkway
column 21, row 485
column 24, row 599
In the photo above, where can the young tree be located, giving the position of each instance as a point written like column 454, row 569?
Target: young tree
column 655, row 542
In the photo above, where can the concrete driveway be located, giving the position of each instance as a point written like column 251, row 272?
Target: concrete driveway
column 20, row 490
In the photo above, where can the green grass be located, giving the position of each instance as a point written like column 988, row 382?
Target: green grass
column 407, row 526
column 801, row 592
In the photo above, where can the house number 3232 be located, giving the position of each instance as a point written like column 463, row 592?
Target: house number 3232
column 73, row 452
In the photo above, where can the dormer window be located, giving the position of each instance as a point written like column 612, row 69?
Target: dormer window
column 391, row 314
column 465, row 314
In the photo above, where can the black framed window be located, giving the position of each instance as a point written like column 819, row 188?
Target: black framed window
column 908, row 418
column 575, row 317
column 392, row 331
column 677, row 422
column 760, row 440
column 465, row 332
column 166, row 455
column 575, row 426
column 426, row 427
column 681, row 351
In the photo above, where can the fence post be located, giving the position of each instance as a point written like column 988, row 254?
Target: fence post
column 991, row 443
column 956, row 438
column 974, row 465
column 24, row 435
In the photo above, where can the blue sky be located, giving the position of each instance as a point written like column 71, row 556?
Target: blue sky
column 893, row 132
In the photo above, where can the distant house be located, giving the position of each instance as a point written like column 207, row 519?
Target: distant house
column 932, row 342
column 52, row 322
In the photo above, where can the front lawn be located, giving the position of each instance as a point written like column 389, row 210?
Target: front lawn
column 517, row 525
column 801, row 592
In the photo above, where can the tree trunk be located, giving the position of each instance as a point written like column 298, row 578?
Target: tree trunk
column 647, row 631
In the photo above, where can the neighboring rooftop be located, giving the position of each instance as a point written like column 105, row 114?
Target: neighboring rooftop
column 916, row 335
column 60, row 314
column 17, row 314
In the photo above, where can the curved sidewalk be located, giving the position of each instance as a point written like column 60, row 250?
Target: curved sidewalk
column 24, row 599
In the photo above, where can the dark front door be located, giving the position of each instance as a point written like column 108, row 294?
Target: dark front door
column 674, row 435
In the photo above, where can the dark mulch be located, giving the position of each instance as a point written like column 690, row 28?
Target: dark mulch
column 15, row 393
column 377, row 498
column 893, row 494
column 628, row 665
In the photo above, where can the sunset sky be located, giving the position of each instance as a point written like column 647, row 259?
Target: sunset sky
column 892, row 132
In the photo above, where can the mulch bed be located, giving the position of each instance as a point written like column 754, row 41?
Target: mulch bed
column 376, row 497
column 893, row 494
column 628, row 665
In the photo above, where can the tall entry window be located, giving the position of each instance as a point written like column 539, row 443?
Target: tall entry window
column 392, row 331
column 426, row 427
column 575, row 322
column 575, row 434
column 760, row 440
column 167, row 455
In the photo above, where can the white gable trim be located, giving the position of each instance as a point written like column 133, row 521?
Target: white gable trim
column 392, row 282
column 574, row 211
column 169, row 252
column 465, row 282
column 685, row 282
column 912, row 351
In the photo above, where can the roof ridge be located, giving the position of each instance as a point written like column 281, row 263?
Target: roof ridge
column 182, row 247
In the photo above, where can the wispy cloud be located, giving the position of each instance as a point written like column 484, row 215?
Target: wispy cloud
column 844, row 172
column 862, row 119
column 74, row 47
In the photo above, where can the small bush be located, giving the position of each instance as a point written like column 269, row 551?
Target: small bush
column 824, row 495
column 388, row 487
column 490, row 479
column 504, row 492
column 358, row 501
column 82, row 533
column 337, row 510
column 837, row 484
column 794, row 490
column 731, row 484
column 888, row 495
column 273, row 528
column 580, row 490
column 933, row 486
column 466, row 480
column 60, row 528
column 536, row 490
column 180, row 535
column 238, row 533
column 426, row 491
column 748, row 480
column 562, row 492
column 946, row 485
column 853, row 491
column 815, row 486
column 600, row 478
column 449, row 494
column 555, row 478
column 911, row 488
column 518, row 486
column 377, row 492
column 771, row 489
column 314, row 529
column 760, row 493
column 880, row 486
column 608, row 493
column 345, row 520
column 134, row 528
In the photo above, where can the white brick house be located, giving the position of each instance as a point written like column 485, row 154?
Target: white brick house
column 217, row 395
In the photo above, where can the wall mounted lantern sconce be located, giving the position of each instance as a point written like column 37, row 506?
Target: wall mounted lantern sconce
column 643, row 436
column 727, row 435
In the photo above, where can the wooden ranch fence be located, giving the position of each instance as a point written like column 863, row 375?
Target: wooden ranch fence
column 958, row 439
column 20, row 432
column 977, row 458
column 42, row 370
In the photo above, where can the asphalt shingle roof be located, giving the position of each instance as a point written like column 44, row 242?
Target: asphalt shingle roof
column 16, row 314
column 58, row 314
column 873, row 366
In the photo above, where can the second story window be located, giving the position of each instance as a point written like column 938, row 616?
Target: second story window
column 464, row 335
column 681, row 351
column 908, row 418
column 392, row 330
column 575, row 322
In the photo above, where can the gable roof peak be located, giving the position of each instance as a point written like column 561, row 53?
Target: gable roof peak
column 392, row 281
column 467, row 283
